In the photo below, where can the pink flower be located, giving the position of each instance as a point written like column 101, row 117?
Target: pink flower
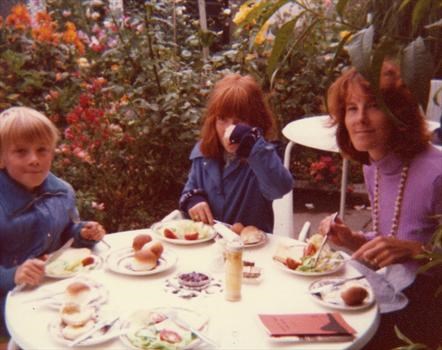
column 98, row 206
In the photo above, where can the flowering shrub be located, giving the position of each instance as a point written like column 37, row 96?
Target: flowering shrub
column 127, row 94
column 324, row 171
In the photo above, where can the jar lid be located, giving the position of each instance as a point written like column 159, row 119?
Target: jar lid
column 235, row 244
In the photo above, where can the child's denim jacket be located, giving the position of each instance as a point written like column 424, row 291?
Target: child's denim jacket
column 34, row 223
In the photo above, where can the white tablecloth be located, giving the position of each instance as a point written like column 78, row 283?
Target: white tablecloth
column 233, row 325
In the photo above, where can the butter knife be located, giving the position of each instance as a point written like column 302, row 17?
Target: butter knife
column 182, row 323
column 333, row 285
column 54, row 255
column 105, row 323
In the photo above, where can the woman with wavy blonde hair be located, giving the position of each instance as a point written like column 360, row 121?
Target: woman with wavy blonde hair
column 236, row 172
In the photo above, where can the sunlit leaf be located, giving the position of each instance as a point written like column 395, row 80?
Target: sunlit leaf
column 283, row 36
column 360, row 50
column 420, row 10
column 417, row 69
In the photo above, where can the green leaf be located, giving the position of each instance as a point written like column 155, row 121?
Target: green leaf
column 401, row 336
column 417, row 69
column 283, row 36
column 420, row 10
column 403, row 5
column 360, row 50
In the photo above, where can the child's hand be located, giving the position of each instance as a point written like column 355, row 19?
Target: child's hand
column 31, row 272
column 93, row 231
column 201, row 212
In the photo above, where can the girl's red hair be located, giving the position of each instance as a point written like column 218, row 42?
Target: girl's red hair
column 238, row 97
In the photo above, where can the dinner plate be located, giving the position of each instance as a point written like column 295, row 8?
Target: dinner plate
column 181, row 226
column 337, row 265
column 332, row 297
column 57, row 269
column 144, row 327
column 119, row 261
column 55, row 331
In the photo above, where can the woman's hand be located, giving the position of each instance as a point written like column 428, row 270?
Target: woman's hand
column 92, row 231
column 340, row 234
column 201, row 212
column 31, row 272
column 386, row 250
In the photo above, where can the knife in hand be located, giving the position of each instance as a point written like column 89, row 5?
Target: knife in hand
column 51, row 258
column 54, row 255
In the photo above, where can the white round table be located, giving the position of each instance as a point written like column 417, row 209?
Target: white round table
column 233, row 325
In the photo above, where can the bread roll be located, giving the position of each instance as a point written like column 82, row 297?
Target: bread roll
column 144, row 259
column 251, row 234
column 74, row 314
column 73, row 332
column 155, row 247
column 140, row 240
column 78, row 292
column 354, row 296
column 237, row 227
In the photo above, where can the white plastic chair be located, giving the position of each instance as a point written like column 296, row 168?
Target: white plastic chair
column 283, row 207
column 434, row 110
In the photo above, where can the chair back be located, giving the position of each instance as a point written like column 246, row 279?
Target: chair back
column 434, row 106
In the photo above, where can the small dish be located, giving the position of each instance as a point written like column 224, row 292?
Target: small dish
column 332, row 297
column 194, row 280
column 145, row 327
column 119, row 261
column 261, row 242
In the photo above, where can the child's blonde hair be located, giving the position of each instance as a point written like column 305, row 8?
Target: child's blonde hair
column 26, row 124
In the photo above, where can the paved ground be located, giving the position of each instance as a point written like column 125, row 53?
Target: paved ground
column 323, row 204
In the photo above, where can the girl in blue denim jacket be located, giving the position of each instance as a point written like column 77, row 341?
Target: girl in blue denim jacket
column 36, row 207
column 236, row 172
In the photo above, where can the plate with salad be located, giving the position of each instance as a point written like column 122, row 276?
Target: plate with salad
column 157, row 328
column 183, row 231
column 299, row 258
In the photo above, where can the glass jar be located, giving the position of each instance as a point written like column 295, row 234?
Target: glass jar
column 233, row 270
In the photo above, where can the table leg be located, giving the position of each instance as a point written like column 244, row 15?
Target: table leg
column 343, row 188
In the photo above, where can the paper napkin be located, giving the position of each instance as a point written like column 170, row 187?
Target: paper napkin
column 306, row 324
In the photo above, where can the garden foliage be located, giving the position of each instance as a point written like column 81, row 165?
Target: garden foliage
column 128, row 93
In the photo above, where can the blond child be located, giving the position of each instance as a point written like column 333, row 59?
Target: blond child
column 36, row 207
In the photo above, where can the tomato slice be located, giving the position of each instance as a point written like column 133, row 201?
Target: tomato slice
column 87, row 261
column 170, row 336
column 292, row 264
column 191, row 236
column 309, row 250
column 169, row 234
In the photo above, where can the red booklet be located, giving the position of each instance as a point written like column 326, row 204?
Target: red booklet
column 304, row 325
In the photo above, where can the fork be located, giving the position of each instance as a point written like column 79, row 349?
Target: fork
column 326, row 236
column 75, row 218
